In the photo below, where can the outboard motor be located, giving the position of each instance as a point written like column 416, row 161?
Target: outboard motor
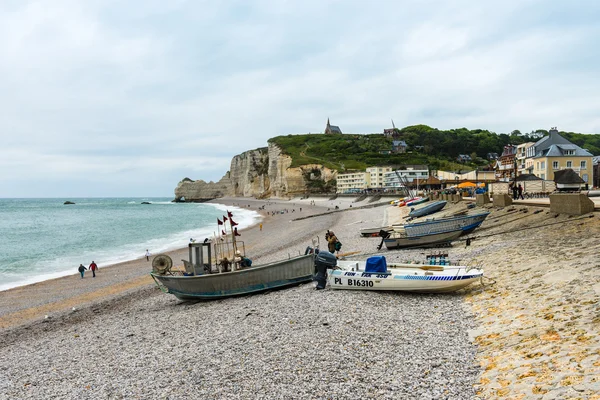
column 323, row 260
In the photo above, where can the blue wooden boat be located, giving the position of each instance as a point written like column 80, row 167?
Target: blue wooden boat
column 466, row 223
column 427, row 209
column 203, row 280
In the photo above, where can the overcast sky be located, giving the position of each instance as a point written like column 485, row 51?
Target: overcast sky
column 126, row 98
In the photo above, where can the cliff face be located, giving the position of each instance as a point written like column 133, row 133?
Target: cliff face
column 260, row 173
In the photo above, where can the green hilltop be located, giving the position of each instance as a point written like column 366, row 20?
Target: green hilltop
column 436, row 148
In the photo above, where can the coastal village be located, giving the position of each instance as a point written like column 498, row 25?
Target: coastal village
column 534, row 164
column 406, row 284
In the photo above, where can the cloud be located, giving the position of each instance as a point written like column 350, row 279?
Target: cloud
column 111, row 96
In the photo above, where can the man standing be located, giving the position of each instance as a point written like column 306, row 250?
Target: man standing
column 93, row 268
column 148, row 254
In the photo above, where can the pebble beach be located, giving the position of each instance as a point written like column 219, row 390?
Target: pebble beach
column 531, row 331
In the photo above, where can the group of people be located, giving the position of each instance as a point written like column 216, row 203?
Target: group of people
column 517, row 192
column 93, row 267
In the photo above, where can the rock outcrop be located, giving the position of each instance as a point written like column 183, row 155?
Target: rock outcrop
column 260, row 173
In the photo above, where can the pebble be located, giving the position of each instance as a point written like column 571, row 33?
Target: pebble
column 297, row 343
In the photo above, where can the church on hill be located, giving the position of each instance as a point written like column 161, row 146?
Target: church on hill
column 332, row 129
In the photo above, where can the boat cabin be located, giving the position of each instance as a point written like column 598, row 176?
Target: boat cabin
column 228, row 256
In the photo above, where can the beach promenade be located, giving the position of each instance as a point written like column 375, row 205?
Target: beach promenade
column 530, row 333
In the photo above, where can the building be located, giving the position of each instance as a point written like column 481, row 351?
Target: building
column 524, row 164
column 505, row 164
column 596, row 169
column 392, row 132
column 553, row 153
column 399, row 146
column 377, row 176
column 353, row 182
column 360, row 181
column 398, row 179
column 332, row 129
column 463, row 158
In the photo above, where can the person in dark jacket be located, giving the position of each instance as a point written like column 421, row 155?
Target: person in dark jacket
column 520, row 192
column 81, row 270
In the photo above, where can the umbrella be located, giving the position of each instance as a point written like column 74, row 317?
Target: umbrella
column 466, row 185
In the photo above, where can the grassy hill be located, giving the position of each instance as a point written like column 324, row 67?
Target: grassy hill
column 426, row 146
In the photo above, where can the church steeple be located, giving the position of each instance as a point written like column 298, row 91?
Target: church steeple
column 330, row 129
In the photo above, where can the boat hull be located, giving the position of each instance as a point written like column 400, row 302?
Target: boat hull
column 374, row 232
column 435, row 239
column 465, row 223
column 428, row 209
column 419, row 279
column 250, row 280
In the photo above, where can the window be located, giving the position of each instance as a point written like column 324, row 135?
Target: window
column 554, row 164
column 582, row 164
column 543, row 165
column 569, row 164
column 543, row 176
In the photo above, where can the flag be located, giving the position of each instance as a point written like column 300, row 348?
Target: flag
column 233, row 223
column 229, row 214
column 219, row 221
column 235, row 232
column 224, row 218
column 223, row 233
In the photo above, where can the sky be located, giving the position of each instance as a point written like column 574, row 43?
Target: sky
column 127, row 98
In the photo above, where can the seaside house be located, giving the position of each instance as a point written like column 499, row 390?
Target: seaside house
column 505, row 164
column 352, row 182
column 332, row 129
column 394, row 180
column 524, row 164
column 554, row 153
column 359, row 181
column 377, row 176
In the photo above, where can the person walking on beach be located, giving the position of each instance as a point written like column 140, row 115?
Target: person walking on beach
column 147, row 255
column 81, row 270
column 93, row 268
column 260, row 226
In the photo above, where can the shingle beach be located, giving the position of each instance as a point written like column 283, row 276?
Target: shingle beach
column 530, row 333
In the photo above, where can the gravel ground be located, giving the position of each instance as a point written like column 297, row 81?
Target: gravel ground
column 296, row 343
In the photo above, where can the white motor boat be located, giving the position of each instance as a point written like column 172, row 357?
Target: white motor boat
column 375, row 274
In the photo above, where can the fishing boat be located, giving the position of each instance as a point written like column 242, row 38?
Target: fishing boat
column 417, row 200
column 201, row 281
column 375, row 274
column 218, row 269
column 427, row 209
column 406, row 200
column 374, row 232
column 400, row 240
column 466, row 223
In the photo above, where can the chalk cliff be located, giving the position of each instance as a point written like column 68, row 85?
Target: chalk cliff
column 260, row 173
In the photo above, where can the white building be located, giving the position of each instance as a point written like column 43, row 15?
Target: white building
column 377, row 176
column 394, row 180
column 352, row 182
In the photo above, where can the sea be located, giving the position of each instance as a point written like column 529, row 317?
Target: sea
column 42, row 239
